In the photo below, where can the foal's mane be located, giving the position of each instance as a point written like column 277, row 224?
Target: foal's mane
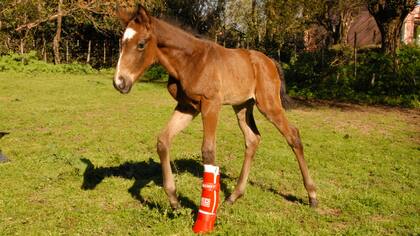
column 175, row 22
column 133, row 12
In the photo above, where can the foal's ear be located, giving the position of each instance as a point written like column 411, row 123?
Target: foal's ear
column 143, row 16
column 124, row 15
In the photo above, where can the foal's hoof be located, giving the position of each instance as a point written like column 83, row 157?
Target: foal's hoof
column 232, row 198
column 3, row 158
column 229, row 201
column 313, row 202
column 175, row 205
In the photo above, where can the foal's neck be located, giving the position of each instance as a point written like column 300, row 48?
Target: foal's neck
column 176, row 47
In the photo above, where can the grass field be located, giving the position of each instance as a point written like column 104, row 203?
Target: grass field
column 83, row 162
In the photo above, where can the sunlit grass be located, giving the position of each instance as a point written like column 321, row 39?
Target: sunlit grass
column 364, row 160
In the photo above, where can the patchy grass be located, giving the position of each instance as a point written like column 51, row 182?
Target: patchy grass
column 83, row 162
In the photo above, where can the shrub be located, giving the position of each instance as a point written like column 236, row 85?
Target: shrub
column 29, row 63
column 155, row 73
column 380, row 78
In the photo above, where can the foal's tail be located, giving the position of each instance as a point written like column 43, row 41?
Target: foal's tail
column 286, row 100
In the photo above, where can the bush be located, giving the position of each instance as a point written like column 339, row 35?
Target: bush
column 29, row 63
column 155, row 73
column 380, row 78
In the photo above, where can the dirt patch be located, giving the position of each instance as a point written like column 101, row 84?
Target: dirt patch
column 347, row 116
column 300, row 103
column 329, row 211
column 380, row 218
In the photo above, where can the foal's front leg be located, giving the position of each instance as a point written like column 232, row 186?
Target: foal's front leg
column 211, row 177
column 210, row 115
column 179, row 121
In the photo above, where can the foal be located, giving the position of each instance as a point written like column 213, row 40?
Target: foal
column 203, row 77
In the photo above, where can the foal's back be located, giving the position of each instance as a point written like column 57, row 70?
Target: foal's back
column 243, row 73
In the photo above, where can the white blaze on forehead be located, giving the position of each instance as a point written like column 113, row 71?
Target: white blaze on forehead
column 128, row 75
column 116, row 79
column 129, row 34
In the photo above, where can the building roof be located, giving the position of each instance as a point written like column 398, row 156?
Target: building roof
column 366, row 30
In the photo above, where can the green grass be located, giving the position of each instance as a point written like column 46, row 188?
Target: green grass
column 365, row 162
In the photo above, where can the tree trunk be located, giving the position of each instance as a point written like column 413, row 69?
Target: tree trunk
column 254, row 30
column 391, row 33
column 389, row 16
column 57, row 37
column 270, row 12
column 346, row 21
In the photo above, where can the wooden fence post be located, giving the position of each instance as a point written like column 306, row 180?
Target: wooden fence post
column 89, row 50
column 355, row 54
column 67, row 51
column 44, row 48
column 104, row 61
column 22, row 46
column 9, row 42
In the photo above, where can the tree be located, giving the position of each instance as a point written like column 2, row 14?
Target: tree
column 201, row 15
column 57, row 37
column 335, row 16
column 286, row 22
column 390, row 15
column 347, row 9
column 14, row 13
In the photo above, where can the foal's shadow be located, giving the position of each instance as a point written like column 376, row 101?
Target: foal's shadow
column 143, row 173
column 146, row 172
column 287, row 196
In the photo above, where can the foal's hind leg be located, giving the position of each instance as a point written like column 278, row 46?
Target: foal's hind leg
column 252, row 139
column 180, row 119
column 272, row 109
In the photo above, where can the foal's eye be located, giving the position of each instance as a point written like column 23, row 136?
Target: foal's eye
column 141, row 45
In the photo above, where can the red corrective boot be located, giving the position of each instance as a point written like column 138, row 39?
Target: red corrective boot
column 209, row 200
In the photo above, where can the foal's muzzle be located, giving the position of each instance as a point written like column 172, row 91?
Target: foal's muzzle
column 123, row 85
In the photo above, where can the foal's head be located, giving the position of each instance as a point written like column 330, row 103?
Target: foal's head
column 138, row 50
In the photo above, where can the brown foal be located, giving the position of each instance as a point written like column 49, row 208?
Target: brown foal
column 203, row 77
